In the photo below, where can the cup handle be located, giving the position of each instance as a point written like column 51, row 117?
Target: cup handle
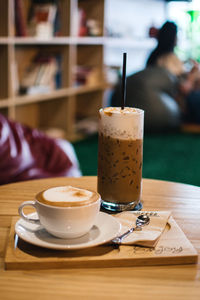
column 25, row 217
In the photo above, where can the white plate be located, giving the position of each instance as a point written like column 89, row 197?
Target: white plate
column 105, row 229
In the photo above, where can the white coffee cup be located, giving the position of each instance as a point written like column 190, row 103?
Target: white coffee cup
column 65, row 212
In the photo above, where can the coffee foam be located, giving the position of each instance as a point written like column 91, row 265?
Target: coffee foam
column 120, row 123
column 67, row 196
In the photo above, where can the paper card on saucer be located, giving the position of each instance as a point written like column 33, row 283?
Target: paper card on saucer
column 150, row 234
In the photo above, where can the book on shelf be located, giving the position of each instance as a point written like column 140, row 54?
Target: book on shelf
column 87, row 26
column 40, row 19
column 41, row 74
column 82, row 23
column 43, row 19
column 87, row 75
column 20, row 20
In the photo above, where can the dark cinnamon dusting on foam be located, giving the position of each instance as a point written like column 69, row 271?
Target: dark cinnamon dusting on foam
column 93, row 198
column 79, row 194
column 108, row 113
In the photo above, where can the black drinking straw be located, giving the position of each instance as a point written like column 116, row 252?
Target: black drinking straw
column 123, row 81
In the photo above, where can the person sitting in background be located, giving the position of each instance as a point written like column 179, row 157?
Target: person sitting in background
column 160, row 87
column 27, row 153
column 163, row 55
column 187, row 83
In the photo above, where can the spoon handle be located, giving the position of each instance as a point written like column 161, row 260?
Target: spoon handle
column 119, row 239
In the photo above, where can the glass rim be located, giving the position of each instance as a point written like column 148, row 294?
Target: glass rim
column 138, row 111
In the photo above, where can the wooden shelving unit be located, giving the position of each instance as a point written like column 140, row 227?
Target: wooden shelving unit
column 62, row 107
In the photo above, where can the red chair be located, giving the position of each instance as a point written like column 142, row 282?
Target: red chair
column 27, row 153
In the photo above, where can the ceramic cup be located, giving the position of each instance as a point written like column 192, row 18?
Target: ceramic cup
column 65, row 212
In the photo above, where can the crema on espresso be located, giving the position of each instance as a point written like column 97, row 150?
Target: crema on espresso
column 67, row 196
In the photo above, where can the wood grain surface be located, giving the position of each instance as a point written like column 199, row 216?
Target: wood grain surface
column 146, row 282
column 172, row 248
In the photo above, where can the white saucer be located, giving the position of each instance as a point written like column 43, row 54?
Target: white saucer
column 105, row 229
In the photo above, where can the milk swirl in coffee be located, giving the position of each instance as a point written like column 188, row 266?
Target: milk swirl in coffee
column 67, row 196
column 120, row 154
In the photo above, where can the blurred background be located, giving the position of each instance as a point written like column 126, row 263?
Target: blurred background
column 61, row 60
column 131, row 26
column 135, row 21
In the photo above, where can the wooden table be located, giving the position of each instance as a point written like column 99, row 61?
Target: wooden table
column 152, row 282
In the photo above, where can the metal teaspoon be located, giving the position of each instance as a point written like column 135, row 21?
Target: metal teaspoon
column 141, row 221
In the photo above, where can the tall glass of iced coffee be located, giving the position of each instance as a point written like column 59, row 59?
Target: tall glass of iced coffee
column 120, row 154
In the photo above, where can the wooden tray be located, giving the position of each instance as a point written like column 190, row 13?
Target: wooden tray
column 172, row 248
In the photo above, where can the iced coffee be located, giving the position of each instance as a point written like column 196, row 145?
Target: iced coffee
column 120, row 153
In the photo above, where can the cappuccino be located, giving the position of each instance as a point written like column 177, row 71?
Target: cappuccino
column 67, row 196
column 64, row 211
